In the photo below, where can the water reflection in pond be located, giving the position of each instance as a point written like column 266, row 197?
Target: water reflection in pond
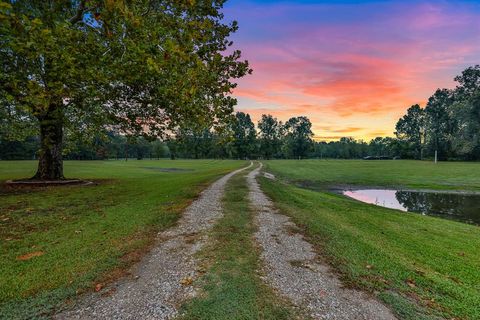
column 456, row 206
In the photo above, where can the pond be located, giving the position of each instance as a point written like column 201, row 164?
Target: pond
column 456, row 206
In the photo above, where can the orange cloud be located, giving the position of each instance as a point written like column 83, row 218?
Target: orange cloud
column 352, row 75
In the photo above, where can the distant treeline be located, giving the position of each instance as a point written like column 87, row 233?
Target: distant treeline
column 241, row 139
column 109, row 146
column 449, row 124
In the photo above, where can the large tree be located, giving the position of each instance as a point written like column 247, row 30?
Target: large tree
column 466, row 112
column 298, row 137
column 270, row 136
column 75, row 67
column 411, row 128
column 244, row 136
column 439, row 125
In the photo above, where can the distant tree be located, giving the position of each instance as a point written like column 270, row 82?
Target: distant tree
column 466, row 112
column 144, row 66
column 468, row 82
column 116, row 147
column 244, row 136
column 270, row 136
column 439, row 125
column 222, row 143
column 411, row 128
column 384, row 146
column 159, row 149
column 320, row 149
column 347, row 147
column 195, row 142
column 141, row 148
column 18, row 150
column 298, row 137
column 173, row 147
column 378, row 147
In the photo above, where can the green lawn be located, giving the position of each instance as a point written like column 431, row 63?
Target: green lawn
column 58, row 242
column 71, row 238
column 421, row 266
column 406, row 173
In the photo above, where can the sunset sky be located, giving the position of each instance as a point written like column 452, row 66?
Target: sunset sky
column 352, row 67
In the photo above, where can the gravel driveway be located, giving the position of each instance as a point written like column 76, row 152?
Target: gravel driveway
column 162, row 280
column 292, row 268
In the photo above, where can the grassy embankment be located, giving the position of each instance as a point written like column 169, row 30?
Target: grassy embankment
column 231, row 286
column 421, row 266
column 61, row 241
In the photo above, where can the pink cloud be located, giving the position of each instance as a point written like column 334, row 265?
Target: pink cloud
column 372, row 67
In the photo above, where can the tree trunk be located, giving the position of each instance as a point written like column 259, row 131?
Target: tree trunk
column 50, row 161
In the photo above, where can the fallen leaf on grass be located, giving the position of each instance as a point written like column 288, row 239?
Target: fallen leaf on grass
column 411, row 283
column 30, row 255
column 421, row 272
column 201, row 269
column 186, row 281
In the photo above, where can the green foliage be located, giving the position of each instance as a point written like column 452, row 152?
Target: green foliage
column 100, row 147
column 466, row 112
column 349, row 148
column 19, row 150
column 439, row 123
column 159, row 149
column 411, row 128
column 450, row 122
column 143, row 66
column 298, row 137
column 270, row 136
column 114, row 62
column 195, row 142
column 244, row 136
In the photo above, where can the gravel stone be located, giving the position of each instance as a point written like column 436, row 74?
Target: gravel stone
column 291, row 267
column 163, row 279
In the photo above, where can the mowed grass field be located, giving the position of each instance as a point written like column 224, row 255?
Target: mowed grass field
column 58, row 242
column 395, row 173
column 422, row 267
